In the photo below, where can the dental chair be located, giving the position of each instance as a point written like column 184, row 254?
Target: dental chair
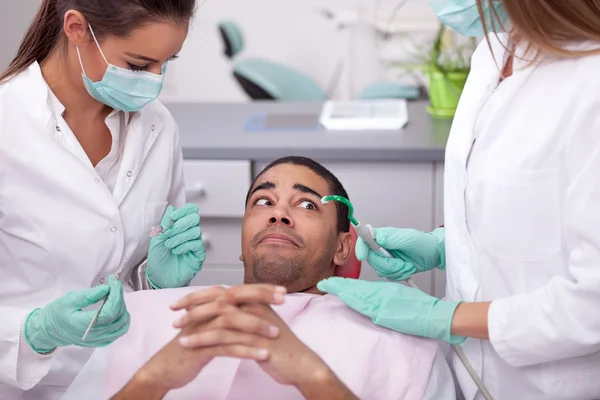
column 351, row 269
column 262, row 79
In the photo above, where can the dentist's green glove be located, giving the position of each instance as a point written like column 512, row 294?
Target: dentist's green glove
column 176, row 255
column 395, row 306
column 63, row 322
column 412, row 251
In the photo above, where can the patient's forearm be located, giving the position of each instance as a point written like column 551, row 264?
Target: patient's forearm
column 140, row 387
column 326, row 386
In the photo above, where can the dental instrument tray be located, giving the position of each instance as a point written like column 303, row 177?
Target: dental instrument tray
column 373, row 115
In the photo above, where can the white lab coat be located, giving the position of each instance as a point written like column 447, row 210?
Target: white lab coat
column 522, row 217
column 61, row 229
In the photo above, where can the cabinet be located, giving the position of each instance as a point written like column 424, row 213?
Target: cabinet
column 219, row 188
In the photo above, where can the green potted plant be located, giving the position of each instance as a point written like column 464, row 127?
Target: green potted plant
column 446, row 68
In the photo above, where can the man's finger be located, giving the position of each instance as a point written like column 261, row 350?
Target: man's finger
column 247, row 323
column 219, row 337
column 199, row 298
column 204, row 313
column 260, row 293
column 239, row 351
column 263, row 312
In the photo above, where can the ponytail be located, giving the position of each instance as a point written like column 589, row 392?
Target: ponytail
column 41, row 38
column 108, row 17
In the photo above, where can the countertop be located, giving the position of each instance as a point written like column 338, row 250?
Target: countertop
column 257, row 131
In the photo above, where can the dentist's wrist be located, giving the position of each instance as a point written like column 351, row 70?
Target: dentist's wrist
column 33, row 325
column 471, row 320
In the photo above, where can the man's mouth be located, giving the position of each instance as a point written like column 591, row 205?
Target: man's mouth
column 278, row 239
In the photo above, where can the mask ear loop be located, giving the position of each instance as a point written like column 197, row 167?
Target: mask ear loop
column 97, row 45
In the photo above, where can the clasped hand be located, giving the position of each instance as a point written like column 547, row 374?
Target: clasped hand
column 236, row 322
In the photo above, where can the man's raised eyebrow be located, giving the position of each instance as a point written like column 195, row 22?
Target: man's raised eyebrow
column 140, row 57
column 263, row 186
column 306, row 189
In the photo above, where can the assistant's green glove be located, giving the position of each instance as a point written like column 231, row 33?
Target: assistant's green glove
column 412, row 251
column 63, row 322
column 395, row 306
column 176, row 255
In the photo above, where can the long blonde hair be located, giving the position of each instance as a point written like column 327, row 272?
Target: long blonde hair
column 549, row 26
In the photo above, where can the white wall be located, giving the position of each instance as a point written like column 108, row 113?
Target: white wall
column 15, row 16
column 291, row 32
column 286, row 31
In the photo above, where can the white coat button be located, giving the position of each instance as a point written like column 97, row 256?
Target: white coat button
column 129, row 173
column 97, row 180
column 113, row 229
column 152, row 128
column 57, row 128
column 102, row 280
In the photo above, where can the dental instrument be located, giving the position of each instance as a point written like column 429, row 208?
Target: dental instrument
column 365, row 232
column 89, row 328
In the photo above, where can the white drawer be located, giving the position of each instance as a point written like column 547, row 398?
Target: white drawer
column 218, row 187
column 219, row 275
column 222, row 239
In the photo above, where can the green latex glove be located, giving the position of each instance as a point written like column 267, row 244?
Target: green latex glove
column 395, row 306
column 412, row 251
column 176, row 255
column 63, row 322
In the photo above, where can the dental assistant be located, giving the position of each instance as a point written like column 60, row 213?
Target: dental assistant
column 521, row 242
column 90, row 162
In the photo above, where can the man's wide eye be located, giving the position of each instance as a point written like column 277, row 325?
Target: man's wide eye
column 262, row 202
column 309, row 205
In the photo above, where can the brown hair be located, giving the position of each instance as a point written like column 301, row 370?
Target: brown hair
column 107, row 17
column 548, row 26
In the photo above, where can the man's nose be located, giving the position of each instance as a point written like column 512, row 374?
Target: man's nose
column 281, row 216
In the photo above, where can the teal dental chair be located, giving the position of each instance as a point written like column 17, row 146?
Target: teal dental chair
column 262, row 79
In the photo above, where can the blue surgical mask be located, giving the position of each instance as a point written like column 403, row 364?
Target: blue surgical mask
column 463, row 16
column 122, row 88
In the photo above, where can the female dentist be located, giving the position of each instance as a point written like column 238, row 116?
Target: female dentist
column 89, row 164
column 521, row 241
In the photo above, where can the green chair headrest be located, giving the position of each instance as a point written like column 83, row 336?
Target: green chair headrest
column 233, row 38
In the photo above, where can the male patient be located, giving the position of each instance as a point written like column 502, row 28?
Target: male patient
column 289, row 239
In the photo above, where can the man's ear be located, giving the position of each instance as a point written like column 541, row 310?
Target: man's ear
column 241, row 258
column 344, row 248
